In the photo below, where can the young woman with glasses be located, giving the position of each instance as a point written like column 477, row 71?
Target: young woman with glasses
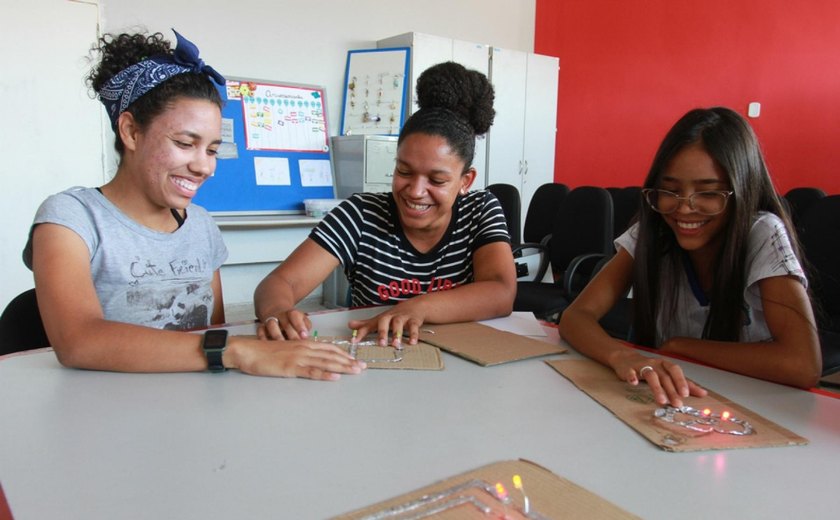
column 714, row 267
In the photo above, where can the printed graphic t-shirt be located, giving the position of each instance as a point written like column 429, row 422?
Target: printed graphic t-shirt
column 769, row 253
column 141, row 276
column 382, row 266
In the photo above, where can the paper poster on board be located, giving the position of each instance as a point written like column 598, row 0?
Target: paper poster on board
column 274, row 152
column 281, row 117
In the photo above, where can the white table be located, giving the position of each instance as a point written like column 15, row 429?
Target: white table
column 79, row 444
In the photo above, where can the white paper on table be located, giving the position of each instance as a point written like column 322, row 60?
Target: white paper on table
column 522, row 323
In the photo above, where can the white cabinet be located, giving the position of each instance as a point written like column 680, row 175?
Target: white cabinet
column 428, row 50
column 520, row 148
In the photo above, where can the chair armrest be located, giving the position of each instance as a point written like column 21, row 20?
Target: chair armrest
column 577, row 262
column 542, row 249
column 518, row 249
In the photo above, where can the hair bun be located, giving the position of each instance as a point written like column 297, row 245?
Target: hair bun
column 451, row 86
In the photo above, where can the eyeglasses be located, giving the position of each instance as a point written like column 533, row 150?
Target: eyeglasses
column 703, row 202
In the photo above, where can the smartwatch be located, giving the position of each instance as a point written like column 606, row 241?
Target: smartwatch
column 214, row 344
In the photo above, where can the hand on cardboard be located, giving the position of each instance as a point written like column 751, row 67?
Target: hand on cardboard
column 400, row 320
column 292, row 324
column 300, row 358
column 665, row 378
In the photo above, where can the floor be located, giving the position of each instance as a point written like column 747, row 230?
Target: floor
column 831, row 383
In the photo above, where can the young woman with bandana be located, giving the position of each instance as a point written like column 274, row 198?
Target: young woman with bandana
column 121, row 269
column 431, row 248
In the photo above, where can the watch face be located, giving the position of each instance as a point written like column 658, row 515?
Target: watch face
column 215, row 339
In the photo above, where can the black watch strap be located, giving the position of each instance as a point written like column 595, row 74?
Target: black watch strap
column 214, row 344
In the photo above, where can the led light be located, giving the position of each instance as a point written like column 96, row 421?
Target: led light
column 703, row 421
column 517, row 482
column 501, row 492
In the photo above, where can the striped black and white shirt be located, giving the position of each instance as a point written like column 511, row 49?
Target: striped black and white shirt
column 383, row 268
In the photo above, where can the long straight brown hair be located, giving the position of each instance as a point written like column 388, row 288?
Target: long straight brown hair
column 732, row 144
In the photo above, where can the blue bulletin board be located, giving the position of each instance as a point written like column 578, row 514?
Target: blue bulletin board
column 275, row 149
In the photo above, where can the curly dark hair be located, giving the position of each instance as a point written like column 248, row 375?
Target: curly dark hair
column 120, row 51
column 456, row 104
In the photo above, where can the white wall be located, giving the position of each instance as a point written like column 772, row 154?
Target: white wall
column 50, row 130
column 53, row 137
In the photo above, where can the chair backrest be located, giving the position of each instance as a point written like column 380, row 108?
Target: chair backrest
column 799, row 201
column 819, row 235
column 583, row 225
column 626, row 203
column 541, row 211
column 21, row 327
column 508, row 196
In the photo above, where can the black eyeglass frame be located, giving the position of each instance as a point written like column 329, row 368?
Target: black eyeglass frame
column 646, row 192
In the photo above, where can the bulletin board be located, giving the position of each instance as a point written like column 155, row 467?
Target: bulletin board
column 375, row 91
column 275, row 149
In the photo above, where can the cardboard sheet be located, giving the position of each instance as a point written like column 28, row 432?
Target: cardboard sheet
column 635, row 406
column 485, row 345
column 548, row 494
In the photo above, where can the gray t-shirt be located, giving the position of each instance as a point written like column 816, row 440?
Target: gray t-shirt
column 142, row 276
column 769, row 254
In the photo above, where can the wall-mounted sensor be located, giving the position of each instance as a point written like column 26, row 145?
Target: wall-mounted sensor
column 754, row 109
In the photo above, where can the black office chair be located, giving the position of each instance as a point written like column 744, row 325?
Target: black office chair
column 532, row 254
column 21, row 327
column 541, row 211
column 626, row 202
column 799, row 201
column 582, row 234
column 819, row 236
column 508, row 196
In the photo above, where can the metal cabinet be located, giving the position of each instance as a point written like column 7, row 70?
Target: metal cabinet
column 363, row 163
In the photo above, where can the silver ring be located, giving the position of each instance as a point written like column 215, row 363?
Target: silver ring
column 265, row 321
column 643, row 369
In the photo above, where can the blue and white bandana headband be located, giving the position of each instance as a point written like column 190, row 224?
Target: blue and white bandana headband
column 129, row 84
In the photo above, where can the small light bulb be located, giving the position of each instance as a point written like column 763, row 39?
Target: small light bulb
column 706, row 411
column 725, row 416
column 501, row 492
column 517, row 482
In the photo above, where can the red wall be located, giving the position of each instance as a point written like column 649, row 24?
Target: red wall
column 630, row 68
